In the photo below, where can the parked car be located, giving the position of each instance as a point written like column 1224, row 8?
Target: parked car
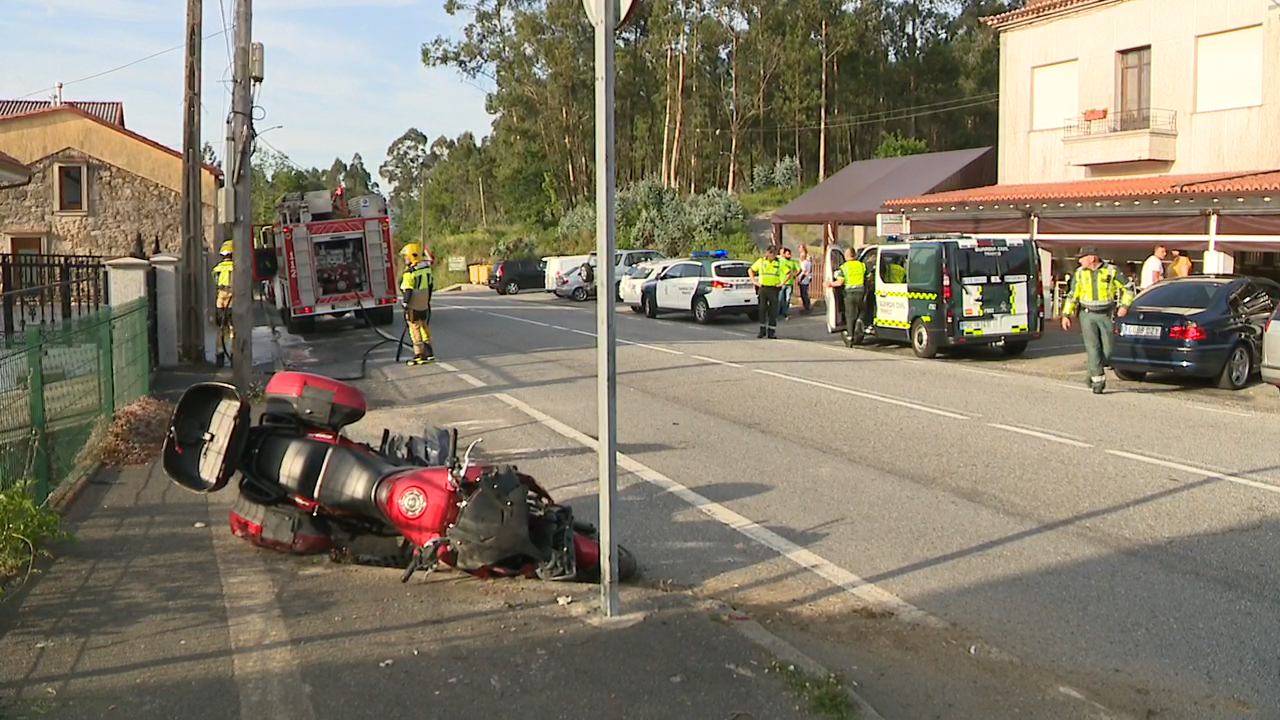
column 1208, row 326
column 630, row 285
column 1270, row 364
column 558, row 266
column 573, row 285
column 509, row 277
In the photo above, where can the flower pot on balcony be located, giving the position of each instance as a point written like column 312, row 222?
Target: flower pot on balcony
column 1094, row 115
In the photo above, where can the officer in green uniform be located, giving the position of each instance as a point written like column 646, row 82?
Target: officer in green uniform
column 1097, row 290
column 852, row 276
column 766, row 273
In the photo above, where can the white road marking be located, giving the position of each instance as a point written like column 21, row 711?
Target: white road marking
column 1196, row 471
column 865, row 395
column 518, row 319
column 265, row 669
column 472, row 380
column 651, row 347
column 447, row 367
column 713, row 360
column 1223, row 411
column 1041, row 435
column 831, row 572
column 582, row 332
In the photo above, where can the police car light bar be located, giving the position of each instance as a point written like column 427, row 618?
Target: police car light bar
column 709, row 253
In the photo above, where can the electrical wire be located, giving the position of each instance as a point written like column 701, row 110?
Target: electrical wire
column 122, row 67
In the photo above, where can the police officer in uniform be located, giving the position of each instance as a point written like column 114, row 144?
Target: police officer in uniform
column 1098, row 290
column 417, row 283
column 852, row 276
column 222, row 302
column 766, row 274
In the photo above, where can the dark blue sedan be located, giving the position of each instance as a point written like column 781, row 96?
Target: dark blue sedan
column 1206, row 326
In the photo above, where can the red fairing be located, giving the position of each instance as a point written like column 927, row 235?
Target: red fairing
column 303, row 543
column 317, row 399
column 421, row 503
column 587, row 552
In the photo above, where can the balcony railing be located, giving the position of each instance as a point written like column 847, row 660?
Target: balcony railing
column 1152, row 119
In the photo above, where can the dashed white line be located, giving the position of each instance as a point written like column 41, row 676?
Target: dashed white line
column 651, row 347
column 714, row 360
column 447, row 367
column 518, row 319
column 1196, row 471
column 472, row 380
column 1041, row 435
column 865, row 395
column 829, row 571
column 1223, row 411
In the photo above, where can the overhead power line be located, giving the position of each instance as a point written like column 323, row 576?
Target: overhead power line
column 122, row 67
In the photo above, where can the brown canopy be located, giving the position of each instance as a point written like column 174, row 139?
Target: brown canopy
column 856, row 194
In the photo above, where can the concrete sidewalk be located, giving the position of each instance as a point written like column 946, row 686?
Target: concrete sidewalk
column 157, row 611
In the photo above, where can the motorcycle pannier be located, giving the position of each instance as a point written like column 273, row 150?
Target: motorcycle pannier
column 207, row 436
column 315, row 399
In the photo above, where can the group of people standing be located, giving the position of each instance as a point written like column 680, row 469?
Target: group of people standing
column 775, row 276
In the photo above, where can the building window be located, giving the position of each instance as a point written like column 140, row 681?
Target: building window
column 1229, row 70
column 1055, row 95
column 71, row 188
column 1133, row 86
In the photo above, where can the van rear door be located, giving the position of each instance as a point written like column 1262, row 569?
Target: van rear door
column 995, row 277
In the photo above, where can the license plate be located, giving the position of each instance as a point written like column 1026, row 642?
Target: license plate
column 1128, row 330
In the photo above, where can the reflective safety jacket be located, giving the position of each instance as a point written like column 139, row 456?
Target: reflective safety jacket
column 418, row 283
column 768, row 272
column 895, row 273
column 1098, row 290
column 222, row 274
column 854, row 273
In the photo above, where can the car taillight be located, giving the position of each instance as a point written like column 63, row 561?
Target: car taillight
column 946, row 286
column 720, row 285
column 1191, row 333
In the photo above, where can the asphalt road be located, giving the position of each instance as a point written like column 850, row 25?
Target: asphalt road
column 1115, row 549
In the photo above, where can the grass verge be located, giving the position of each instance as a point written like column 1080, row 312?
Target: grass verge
column 825, row 697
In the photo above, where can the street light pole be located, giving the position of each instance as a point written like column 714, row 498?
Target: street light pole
column 242, row 178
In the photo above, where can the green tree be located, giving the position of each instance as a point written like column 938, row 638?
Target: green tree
column 895, row 145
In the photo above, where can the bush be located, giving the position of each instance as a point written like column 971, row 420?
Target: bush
column 714, row 214
column 24, row 528
column 784, row 174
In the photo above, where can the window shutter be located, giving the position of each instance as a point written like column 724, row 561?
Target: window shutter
column 1055, row 95
column 1229, row 70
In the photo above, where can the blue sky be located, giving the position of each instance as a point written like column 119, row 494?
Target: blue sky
column 342, row 76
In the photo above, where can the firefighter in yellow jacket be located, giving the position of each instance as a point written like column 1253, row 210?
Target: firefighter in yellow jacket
column 222, row 302
column 417, row 284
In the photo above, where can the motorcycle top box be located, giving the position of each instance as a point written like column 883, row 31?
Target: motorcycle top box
column 207, row 435
column 315, row 399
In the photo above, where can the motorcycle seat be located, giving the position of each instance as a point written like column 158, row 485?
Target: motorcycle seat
column 339, row 478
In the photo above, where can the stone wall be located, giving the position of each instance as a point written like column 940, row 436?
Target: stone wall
column 120, row 206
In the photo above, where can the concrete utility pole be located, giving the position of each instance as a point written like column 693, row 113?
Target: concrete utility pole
column 242, row 177
column 193, row 249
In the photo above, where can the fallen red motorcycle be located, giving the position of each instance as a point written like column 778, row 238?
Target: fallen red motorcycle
column 412, row 503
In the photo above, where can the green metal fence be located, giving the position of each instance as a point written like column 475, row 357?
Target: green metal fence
column 60, row 382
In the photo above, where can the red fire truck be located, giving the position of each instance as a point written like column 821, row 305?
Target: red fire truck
column 320, row 258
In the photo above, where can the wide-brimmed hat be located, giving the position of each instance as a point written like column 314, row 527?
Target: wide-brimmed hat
column 1086, row 251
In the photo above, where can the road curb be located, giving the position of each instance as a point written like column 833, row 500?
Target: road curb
column 67, row 492
column 784, row 651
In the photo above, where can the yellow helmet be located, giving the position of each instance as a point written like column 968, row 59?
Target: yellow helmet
column 412, row 253
column 225, row 249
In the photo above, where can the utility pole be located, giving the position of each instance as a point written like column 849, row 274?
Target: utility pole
column 242, row 177
column 193, row 248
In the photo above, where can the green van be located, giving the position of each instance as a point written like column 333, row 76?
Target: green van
column 938, row 291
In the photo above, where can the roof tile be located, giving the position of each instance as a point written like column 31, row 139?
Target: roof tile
column 1036, row 8
column 112, row 112
column 1225, row 183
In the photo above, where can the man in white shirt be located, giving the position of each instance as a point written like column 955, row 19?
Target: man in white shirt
column 1153, row 268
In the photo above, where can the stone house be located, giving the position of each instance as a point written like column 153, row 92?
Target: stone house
column 95, row 185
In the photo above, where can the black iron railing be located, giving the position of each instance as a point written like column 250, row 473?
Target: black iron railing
column 48, row 289
column 1124, row 121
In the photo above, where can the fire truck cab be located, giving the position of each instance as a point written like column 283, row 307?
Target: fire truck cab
column 320, row 258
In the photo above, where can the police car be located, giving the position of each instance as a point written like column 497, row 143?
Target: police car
column 708, row 284
column 630, row 285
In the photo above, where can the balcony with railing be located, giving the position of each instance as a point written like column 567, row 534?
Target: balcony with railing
column 1099, row 137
